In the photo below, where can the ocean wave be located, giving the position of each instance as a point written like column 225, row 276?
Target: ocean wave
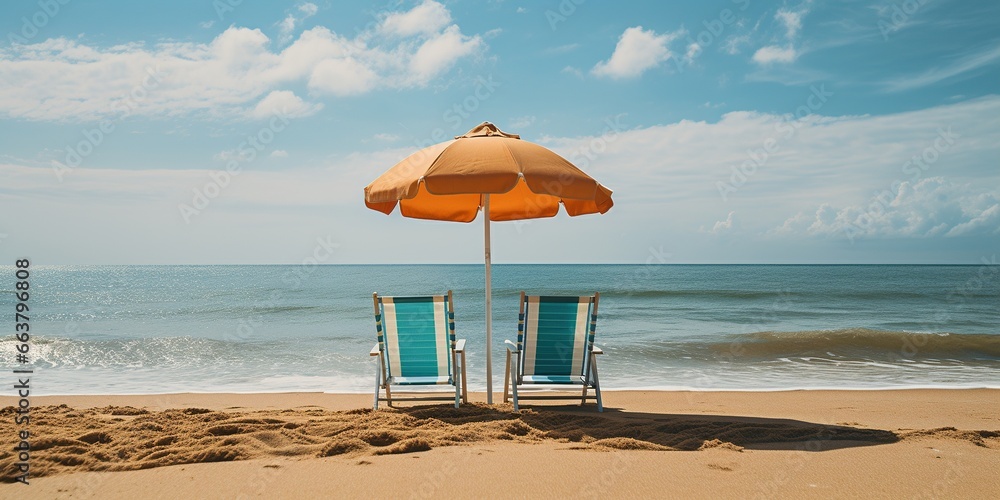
column 209, row 311
column 700, row 293
column 781, row 294
column 227, row 355
column 861, row 343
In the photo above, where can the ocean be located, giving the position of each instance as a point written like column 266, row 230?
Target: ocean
column 164, row 329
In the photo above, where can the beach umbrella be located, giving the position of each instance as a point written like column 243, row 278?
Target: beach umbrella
column 490, row 171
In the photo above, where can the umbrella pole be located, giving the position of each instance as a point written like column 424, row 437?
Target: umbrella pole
column 489, row 305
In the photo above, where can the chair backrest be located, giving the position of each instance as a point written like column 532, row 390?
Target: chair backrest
column 416, row 334
column 555, row 334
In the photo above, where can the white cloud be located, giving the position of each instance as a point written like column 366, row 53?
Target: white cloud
column 664, row 179
column 733, row 43
column 926, row 208
column 768, row 55
column 637, row 51
column 439, row 53
column 68, row 80
column 561, row 49
column 522, row 122
column 963, row 65
column 774, row 54
column 569, row 70
column 279, row 153
column 986, row 221
column 286, row 27
column 791, row 20
column 840, row 161
column 521, row 10
column 284, row 103
column 308, row 9
column 207, row 24
column 426, row 18
column 229, row 154
column 386, row 137
column 693, row 50
column 722, row 226
column 342, row 77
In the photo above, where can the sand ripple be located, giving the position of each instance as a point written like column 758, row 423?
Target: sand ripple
column 116, row 438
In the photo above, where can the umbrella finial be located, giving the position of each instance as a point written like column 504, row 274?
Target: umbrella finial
column 487, row 129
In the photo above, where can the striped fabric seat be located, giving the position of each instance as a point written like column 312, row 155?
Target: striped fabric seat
column 555, row 345
column 417, row 345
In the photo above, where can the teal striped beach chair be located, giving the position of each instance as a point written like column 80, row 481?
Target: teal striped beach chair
column 555, row 345
column 417, row 346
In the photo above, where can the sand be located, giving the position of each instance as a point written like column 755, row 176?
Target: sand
column 923, row 443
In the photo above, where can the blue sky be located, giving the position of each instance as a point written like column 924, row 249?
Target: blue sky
column 730, row 131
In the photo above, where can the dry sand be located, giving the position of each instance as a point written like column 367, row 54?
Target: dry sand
column 924, row 443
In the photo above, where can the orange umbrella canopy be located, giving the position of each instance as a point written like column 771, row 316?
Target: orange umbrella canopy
column 448, row 181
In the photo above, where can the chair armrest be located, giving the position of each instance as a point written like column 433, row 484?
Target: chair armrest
column 597, row 350
column 460, row 345
column 374, row 351
column 512, row 347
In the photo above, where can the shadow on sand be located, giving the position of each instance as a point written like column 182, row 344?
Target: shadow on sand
column 114, row 438
column 655, row 431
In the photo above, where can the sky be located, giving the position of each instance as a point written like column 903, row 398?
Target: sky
column 731, row 131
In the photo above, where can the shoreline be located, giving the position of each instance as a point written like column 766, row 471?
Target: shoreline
column 890, row 443
column 763, row 403
column 481, row 391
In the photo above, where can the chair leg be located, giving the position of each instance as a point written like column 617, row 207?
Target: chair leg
column 586, row 382
column 465, row 388
column 513, row 384
column 506, row 379
column 597, row 382
column 385, row 382
column 378, row 384
column 458, row 386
